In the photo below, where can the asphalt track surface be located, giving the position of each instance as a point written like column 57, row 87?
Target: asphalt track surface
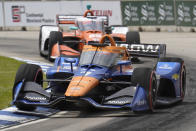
column 179, row 117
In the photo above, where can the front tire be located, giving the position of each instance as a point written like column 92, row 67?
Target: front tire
column 28, row 72
column 133, row 37
column 146, row 78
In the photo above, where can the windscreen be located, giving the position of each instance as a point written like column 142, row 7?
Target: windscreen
column 99, row 58
column 86, row 24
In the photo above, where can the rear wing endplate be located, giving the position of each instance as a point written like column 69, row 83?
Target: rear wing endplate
column 146, row 50
column 70, row 19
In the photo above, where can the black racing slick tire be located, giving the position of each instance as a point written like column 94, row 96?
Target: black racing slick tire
column 182, row 72
column 28, row 72
column 146, row 78
column 54, row 37
column 133, row 37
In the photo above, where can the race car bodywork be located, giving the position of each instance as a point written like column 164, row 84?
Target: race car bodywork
column 102, row 77
column 85, row 29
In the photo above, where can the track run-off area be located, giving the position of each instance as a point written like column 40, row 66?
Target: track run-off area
column 179, row 117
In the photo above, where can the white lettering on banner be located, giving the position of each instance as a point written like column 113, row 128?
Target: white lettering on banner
column 1, row 15
column 33, row 14
column 183, row 13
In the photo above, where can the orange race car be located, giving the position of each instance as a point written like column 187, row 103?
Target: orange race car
column 54, row 41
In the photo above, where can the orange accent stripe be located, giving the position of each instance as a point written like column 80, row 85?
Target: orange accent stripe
column 81, row 85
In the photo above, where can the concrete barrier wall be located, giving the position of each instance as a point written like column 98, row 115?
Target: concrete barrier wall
column 1, row 15
column 33, row 14
column 162, row 15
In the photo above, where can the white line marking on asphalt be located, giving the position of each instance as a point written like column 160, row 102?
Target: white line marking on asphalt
column 25, row 124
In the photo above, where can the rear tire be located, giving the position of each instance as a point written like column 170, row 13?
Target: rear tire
column 182, row 72
column 54, row 37
column 146, row 78
column 28, row 72
column 133, row 37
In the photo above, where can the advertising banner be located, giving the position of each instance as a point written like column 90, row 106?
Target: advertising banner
column 44, row 13
column 148, row 13
column 30, row 13
column 110, row 8
column 99, row 8
column 1, row 15
column 186, row 13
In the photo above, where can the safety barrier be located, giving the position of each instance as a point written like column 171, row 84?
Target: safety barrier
column 36, row 13
column 159, row 12
column 130, row 13
column 1, row 15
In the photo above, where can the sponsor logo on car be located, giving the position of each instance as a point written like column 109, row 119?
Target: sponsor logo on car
column 175, row 76
column 75, row 88
column 165, row 66
column 35, row 98
column 117, row 102
column 143, row 48
column 141, row 102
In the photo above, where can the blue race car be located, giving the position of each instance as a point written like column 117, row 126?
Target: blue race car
column 103, row 77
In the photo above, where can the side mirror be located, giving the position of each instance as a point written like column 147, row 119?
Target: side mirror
column 73, row 28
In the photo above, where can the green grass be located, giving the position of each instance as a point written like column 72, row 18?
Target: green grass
column 8, row 69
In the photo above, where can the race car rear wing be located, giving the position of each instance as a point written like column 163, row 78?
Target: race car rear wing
column 146, row 50
column 70, row 19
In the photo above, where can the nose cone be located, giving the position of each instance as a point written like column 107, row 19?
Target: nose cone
column 81, row 85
